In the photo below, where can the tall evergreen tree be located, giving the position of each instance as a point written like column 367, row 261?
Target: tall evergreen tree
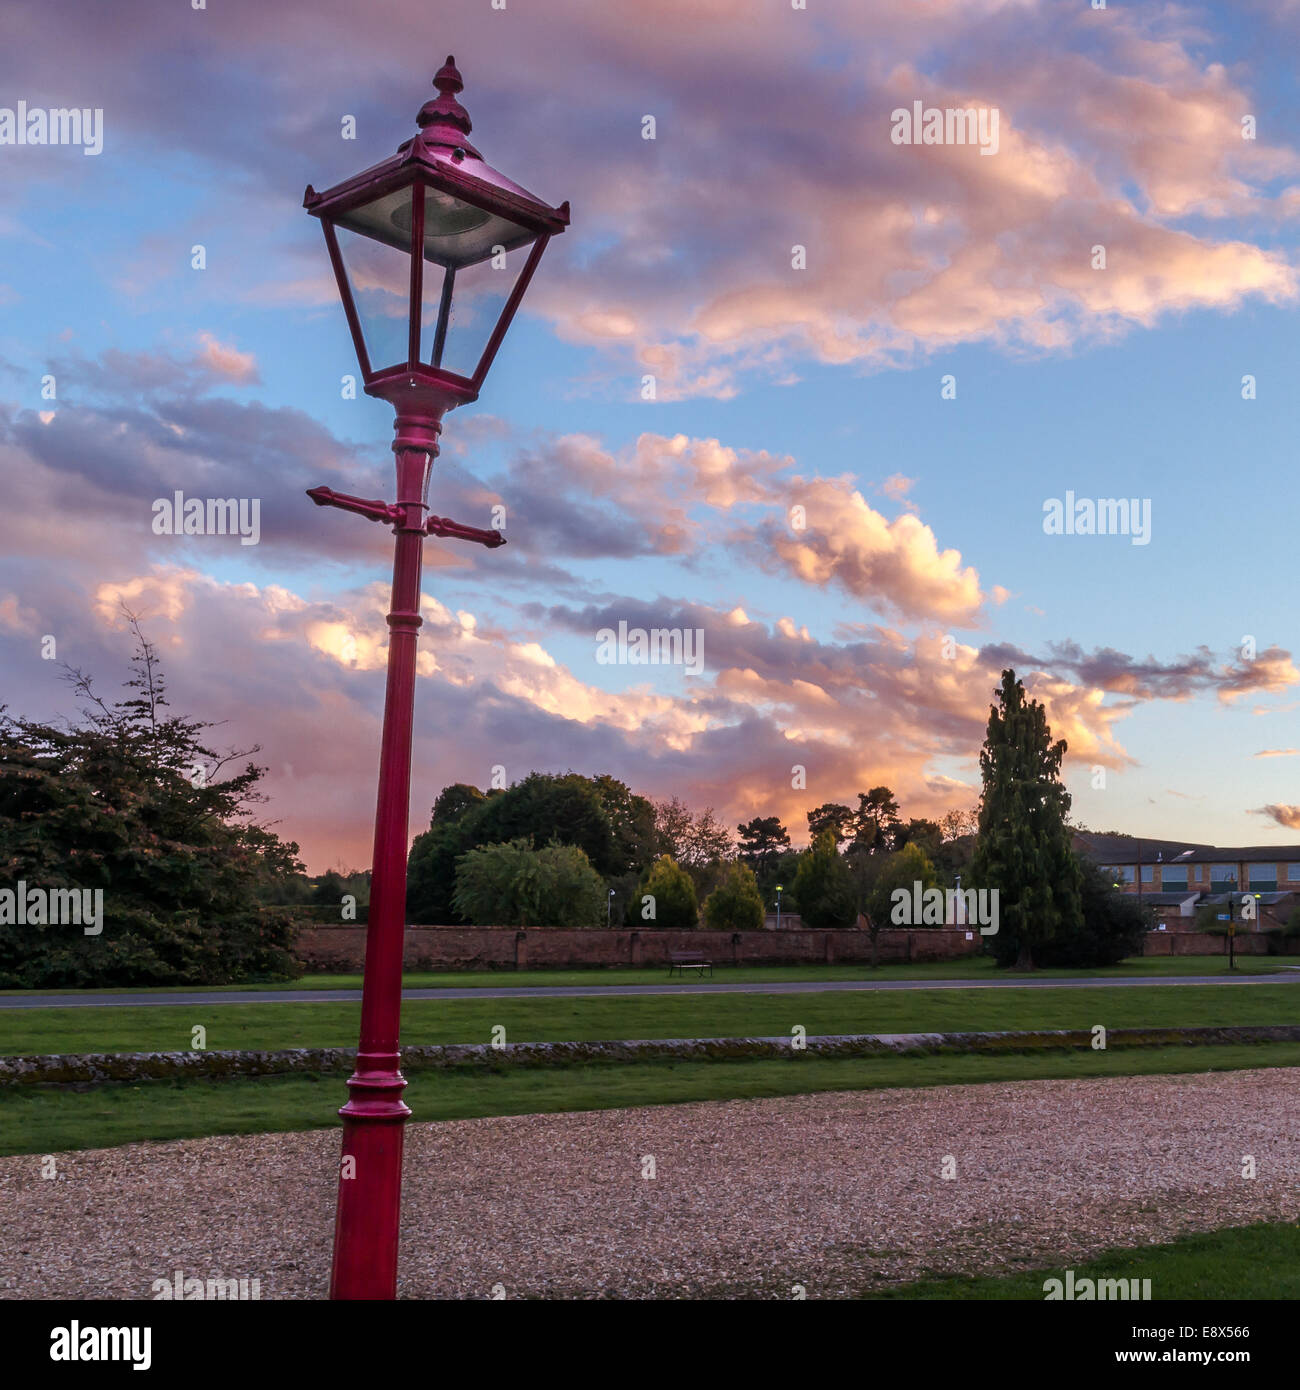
column 833, row 816
column 761, row 841
column 824, row 886
column 1023, row 848
column 876, row 824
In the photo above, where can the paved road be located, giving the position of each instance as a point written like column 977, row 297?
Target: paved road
column 337, row 996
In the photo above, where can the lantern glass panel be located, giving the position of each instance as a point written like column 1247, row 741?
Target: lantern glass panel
column 379, row 276
column 462, row 306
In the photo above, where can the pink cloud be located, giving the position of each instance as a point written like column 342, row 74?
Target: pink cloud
column 841, row 540
column 226, row 361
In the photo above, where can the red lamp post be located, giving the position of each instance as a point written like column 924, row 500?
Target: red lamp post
column 422, row 247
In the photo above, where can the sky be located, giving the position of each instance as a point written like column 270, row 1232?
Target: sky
column 787, row 381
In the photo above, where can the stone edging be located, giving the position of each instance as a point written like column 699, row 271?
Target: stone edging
column 95, row 1068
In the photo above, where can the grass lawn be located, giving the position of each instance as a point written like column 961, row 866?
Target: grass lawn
column 975, row 968
column 37, row 1120
column 330, row 1024
column 1241, row 1262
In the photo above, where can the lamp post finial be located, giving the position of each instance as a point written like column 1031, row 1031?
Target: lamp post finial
column 444, row 112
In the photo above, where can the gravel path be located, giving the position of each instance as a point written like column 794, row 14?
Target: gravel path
column 835, row 1192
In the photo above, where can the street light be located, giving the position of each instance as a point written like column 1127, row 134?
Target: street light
column 778, row 907
column 421, row 246
column 609, row 909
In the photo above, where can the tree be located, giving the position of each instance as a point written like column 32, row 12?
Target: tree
column 541, row 808
column 906, row 868
column 131, row 801
column 431, row 872
column 956, row 824
column 1114, row 925
column 514, row 885
column 673, row 825
column 927, row 835
column 455, row 802
column 329, row 890
column 327, row 896
column 1023, row 849
column 694, row 841
column 710, row 841
column 632, row 820
column 876, row 823
column 832, row 816
column 671, row 894
column 544, row 807
column 735, row 904
column 824, row 886
column 761, row 842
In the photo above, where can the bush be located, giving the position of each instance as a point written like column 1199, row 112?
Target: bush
column 674, row 904
column 824, row 886
column 513, row 885
column 1114, row 926
column 904, row 869
column 735, row 904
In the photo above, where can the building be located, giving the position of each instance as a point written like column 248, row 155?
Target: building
column 1179, row 879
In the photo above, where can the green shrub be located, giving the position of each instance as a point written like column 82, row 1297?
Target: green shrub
column 513, row 885
column 671, row 895
column 735, row 904
column 824, row 886
column 1114, row 926
column 904, row 869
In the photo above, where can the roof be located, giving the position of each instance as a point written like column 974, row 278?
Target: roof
column 1265, row 899
column 1128, row 849
column 1247, row 854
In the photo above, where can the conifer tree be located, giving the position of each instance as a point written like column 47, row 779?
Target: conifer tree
column 1024, row 847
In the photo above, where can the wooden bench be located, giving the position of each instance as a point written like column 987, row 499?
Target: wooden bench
column 682, row 961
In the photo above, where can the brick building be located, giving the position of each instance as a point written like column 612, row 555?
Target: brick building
column 1179, row 879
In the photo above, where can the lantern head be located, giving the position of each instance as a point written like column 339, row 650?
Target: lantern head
column 433, row 250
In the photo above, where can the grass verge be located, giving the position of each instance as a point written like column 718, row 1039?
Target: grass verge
column 260, row 1027
column 1240, row 1262
column 36, row 1121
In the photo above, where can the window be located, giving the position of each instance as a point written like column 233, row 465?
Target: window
column 1223, row 875
column 1173, row 876
column 1292, row 870
column 1263, row 877
column 1127, row 874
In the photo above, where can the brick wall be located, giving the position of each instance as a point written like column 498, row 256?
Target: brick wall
column 1199, row 943
column 342, row 948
